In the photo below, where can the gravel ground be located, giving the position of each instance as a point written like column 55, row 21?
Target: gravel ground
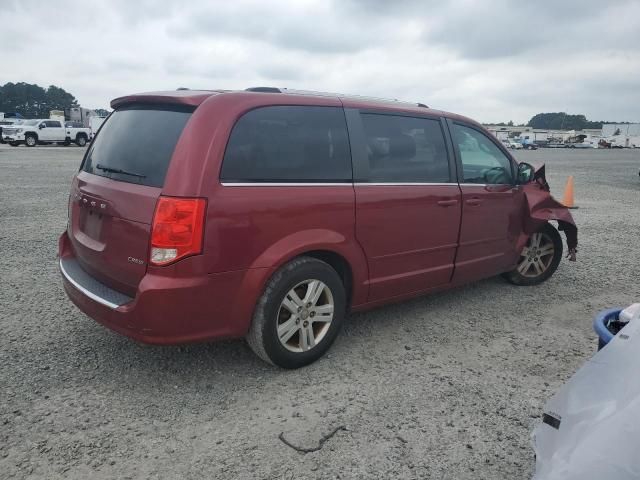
column 446, row 386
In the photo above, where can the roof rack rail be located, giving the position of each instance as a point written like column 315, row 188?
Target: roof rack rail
column 329, row 94
column 264, row 89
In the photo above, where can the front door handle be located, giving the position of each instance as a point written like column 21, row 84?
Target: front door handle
column 474, row 201
column 447, row 203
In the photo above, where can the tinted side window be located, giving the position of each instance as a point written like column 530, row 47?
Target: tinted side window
column 482, row 160
column 54, row 124
column 405, row 149
column 288, row 144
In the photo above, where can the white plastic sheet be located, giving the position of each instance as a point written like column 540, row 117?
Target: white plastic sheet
column 598, row 409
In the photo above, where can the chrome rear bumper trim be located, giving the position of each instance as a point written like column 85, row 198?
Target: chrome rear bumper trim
column 98, row 286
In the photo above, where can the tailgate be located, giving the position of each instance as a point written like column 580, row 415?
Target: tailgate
column 109, row 228
column 113, row 197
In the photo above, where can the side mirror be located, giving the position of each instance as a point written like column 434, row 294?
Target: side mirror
column 526, row 173
column 41, row 126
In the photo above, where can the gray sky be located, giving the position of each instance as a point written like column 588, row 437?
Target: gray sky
column 491, row 60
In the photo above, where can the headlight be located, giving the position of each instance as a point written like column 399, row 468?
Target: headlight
column 19, row 130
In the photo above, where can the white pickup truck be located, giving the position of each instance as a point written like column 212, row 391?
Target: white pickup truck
column 43, row 131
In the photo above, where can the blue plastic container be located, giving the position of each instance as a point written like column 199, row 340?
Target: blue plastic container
column 603, row 325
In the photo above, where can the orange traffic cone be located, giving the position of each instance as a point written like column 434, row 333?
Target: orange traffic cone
column 567, row 199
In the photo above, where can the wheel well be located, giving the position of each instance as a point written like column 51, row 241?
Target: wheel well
column 81, row 134
column 339, row 264
column 33, row 134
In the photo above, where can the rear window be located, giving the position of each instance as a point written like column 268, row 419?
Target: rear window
column 135, row 143
column 289, row 144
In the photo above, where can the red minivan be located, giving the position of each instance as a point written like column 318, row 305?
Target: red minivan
column 270, row 213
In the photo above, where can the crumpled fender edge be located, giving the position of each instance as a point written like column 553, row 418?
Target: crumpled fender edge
column 541, row 207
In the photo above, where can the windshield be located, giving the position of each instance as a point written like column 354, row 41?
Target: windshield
column 136, row 143
column 32, row 122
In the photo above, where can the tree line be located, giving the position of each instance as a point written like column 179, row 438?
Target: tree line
column 563, row 121
column 558, row 121
column 34, row 101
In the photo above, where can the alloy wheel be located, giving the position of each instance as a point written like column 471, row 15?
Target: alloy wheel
column 305, row 315
column 537, row 256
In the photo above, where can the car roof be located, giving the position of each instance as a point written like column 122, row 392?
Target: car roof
column 196, row 97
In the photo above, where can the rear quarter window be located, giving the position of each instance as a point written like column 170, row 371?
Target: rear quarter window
column 288, row 144
column 136, row 142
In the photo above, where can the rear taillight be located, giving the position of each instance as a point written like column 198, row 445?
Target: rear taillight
column 177, row 229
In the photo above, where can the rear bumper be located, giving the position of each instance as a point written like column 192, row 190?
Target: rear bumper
column 166, row 310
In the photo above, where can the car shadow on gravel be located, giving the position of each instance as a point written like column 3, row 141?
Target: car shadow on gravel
column 120, row 359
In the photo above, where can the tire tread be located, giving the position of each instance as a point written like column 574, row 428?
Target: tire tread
column 256, row 334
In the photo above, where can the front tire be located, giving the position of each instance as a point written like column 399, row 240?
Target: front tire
column 14, row 144
column 30, row 140
column 299, row 315
column 539, row 258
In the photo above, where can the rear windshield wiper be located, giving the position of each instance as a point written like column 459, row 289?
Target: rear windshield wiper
column 119, row 170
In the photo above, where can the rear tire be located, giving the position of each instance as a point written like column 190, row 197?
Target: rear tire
column 539, row 258
column 81, row 140
column 30, row 140
column 299, row 315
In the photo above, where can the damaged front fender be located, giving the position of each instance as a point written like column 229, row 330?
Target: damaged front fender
column 541, row 207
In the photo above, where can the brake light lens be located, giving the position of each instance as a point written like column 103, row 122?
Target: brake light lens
column 178, row 225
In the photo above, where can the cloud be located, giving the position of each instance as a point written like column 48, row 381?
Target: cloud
column 310, row 27
column 493, row 60
column 500, row 28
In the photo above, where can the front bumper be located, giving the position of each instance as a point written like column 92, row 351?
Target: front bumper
column 12, row 138
column 166, row 310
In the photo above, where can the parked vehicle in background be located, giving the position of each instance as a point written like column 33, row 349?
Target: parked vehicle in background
column 73, row 124
column 269, row 214
column 7, row 120
column 512, row 144
column 44, row 131
column 620, row 141
column 7, row 124
column 528, row 144
column 579, row 145
column 58, row 115
column 95, row 123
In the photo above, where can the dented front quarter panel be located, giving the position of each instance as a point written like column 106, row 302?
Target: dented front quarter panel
column 541, row 207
